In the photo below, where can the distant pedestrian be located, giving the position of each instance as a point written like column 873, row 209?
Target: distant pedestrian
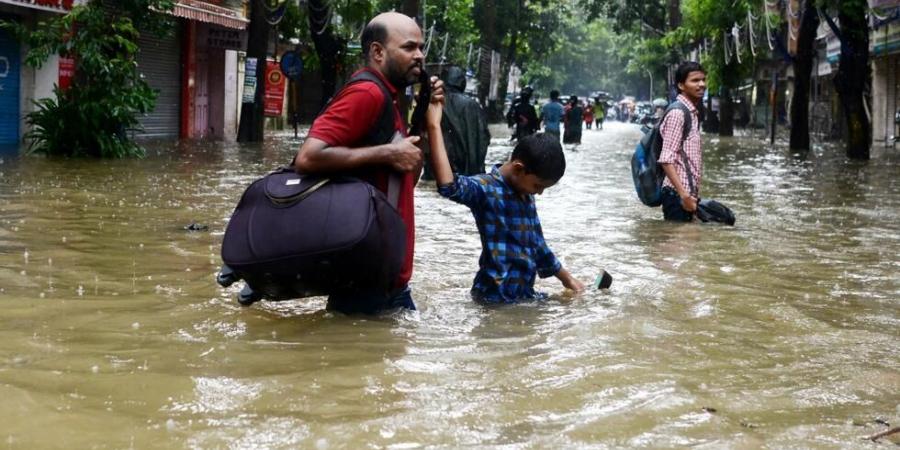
column 574, row 114
column 600, row 109
column 522, row 115
column 682, row 156
column 588, row 114
column 552, row 114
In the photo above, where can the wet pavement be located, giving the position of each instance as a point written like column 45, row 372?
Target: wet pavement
column 782, row 331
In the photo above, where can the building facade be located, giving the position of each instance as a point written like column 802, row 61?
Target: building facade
column 884, row 42
column 194, row 69
column 21, row 85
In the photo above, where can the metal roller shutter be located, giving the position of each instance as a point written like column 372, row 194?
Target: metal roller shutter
column 9, row 89
column 159, row 61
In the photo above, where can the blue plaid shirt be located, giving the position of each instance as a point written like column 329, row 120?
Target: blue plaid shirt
column 513, row 250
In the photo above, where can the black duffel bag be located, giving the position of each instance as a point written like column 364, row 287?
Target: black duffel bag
column 295, row 235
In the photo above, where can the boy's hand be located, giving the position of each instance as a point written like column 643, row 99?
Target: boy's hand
column 436, row 107
column 689, row 203
column 437, row 90
column 569, row 282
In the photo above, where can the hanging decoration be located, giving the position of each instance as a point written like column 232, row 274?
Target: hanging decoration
column 275, row 11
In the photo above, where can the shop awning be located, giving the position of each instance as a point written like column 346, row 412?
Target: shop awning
column 57, row 6
column 209, row 13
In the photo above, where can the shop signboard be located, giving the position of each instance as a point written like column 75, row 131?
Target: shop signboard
column 886, row 39
column 66, row 72
column 275, row 82
column 249, row 81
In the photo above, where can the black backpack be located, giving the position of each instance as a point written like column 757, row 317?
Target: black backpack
column 293, row 235
column 646, row 173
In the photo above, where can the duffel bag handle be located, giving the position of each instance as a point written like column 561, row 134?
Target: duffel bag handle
column 300, row 195
column 286, row 177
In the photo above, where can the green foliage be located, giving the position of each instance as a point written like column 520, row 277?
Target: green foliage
column 93, row 116
column 629, row 15
column 452, row 20
column 708, row 20
column 568, row 51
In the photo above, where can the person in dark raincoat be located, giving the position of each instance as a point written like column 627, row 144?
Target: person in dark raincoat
column 574, row 116
column 522, row 114
column 464, row 126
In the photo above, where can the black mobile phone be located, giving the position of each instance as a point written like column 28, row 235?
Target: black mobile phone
column 422, row 100
column 603, row 281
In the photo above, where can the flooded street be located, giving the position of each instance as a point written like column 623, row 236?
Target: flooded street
column 783, row 331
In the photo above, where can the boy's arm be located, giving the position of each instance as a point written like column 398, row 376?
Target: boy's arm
column 548, row 265
column 687, row 202
column 443, row 173
column 569, row 281
column 463, row 190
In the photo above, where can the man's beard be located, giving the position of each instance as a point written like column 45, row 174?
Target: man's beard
column 400, row 77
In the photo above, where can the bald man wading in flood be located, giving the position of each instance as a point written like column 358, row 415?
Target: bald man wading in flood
column 339, row 141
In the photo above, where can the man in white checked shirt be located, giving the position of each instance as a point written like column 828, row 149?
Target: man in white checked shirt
column 683, row 169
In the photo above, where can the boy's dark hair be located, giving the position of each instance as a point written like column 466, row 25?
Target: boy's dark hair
column 554, row 95
column 684, row 69
column 542, row 156
column 373, row 32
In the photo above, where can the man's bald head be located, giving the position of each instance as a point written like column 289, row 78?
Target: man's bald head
column 377, row 29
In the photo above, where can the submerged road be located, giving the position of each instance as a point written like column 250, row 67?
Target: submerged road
column 783, row 331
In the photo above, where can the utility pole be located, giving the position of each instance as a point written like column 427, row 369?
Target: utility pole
column 252, row 121
column 773, row 95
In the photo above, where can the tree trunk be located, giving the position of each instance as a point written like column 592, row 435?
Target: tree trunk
column 326, row 45
column 729, row 80
column 252, row 119
column 803, row 64
column 488, row 9
column 852, row 79
column 726, row 113
column 411, row 9
column 674, row 14
column 505, row 65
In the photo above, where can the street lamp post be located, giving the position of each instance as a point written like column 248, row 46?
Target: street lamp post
column 650, row 94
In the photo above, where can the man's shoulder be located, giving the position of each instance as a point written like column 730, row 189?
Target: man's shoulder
column 362, row 91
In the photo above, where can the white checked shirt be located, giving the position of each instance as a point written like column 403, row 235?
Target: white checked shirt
column 671, row 130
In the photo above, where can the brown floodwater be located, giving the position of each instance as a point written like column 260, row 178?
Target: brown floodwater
column 783, row 331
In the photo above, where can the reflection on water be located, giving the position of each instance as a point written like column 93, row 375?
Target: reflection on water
column 782, row 331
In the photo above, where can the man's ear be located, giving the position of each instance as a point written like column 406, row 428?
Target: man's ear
column 377, row 51
column 518, row 167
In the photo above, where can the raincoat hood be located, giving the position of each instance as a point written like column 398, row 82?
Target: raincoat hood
column 455, row 78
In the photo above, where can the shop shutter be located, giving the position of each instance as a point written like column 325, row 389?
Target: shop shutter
column 9, row 89
column 159, row 61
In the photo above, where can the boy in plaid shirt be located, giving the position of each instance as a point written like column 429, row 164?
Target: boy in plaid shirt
column 513, row 250
column 682, row 156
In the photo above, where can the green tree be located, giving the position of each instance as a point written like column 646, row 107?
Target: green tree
column 93, row 116
column 575, row 53
column 854, row 74
column 726, row 64
column 803, row 65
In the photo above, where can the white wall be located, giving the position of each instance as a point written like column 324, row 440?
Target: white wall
column 232, row 103
column 885, row 97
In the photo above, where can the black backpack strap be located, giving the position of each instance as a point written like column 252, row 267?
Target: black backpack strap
column 383, row 131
